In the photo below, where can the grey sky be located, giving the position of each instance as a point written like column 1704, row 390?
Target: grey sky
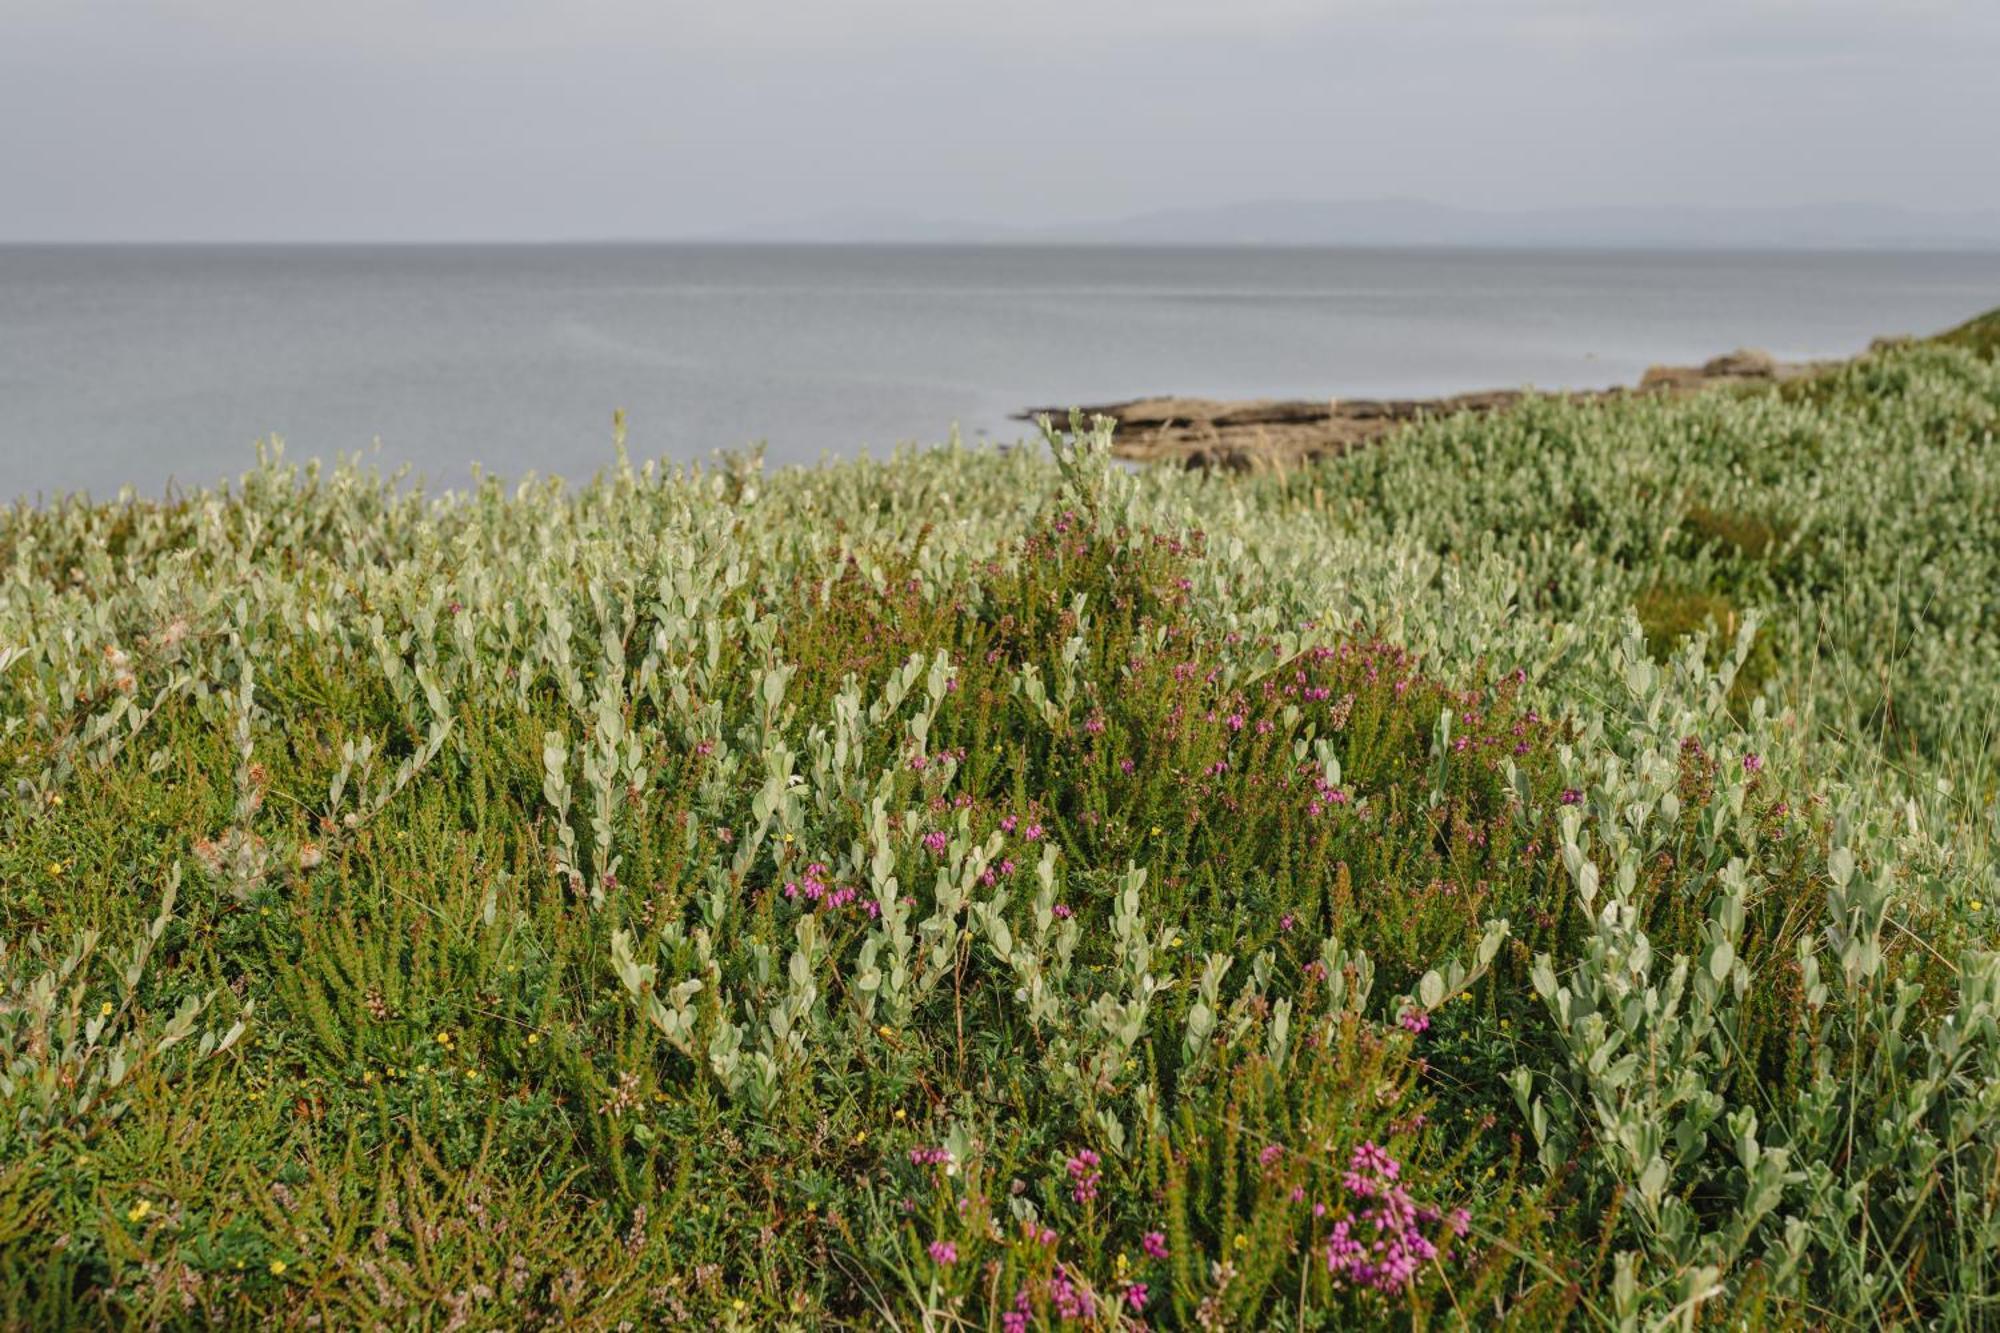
column 182, row 119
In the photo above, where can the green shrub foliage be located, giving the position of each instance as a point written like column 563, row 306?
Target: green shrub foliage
column 1533, row 873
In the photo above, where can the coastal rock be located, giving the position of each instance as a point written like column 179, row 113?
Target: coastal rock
column 1747, row 363
column 1280, row 433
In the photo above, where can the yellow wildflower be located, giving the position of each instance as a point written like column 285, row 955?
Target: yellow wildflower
column 277, row 1268
column 137, row 1212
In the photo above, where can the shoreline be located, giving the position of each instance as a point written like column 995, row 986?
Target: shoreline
column 1257, row 434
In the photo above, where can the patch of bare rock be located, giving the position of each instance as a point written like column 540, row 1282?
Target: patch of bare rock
column 1274, row 433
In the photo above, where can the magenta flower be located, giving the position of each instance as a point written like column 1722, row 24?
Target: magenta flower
column 1154, row 1243
column 1084, row 1175
column 943, row 1253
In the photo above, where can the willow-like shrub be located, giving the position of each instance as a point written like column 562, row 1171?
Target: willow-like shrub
column 996, row 889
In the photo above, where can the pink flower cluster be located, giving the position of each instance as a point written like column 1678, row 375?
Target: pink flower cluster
column 1381, row 1244
column 1072, row 1300
column 1414, row 1020
column 919, row 761
column 1325, row 796
column 813, row 888
column 929, row 1156
column 1084, row 1176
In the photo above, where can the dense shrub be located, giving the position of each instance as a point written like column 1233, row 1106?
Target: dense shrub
column 969, row 890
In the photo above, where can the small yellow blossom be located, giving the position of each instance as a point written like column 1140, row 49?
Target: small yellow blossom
column 1977, row 905
column 104, row 1010
column 900, row 1114
column 277, row 1268
column 137, row 1212
column 534, row 1037
column 444, row 1038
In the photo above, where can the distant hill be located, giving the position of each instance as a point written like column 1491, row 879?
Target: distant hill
column 1294, row 222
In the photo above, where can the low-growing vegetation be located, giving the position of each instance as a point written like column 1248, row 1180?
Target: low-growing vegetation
column 1536, row 873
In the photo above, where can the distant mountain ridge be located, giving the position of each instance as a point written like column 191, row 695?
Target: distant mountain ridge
column 1417, row 222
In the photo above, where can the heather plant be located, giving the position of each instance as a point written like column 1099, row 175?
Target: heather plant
column 996, row 889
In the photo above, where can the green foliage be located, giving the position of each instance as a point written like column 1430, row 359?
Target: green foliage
column 1979, row 335
column 973, row 891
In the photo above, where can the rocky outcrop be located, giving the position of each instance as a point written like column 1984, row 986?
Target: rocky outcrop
column 1279, row 433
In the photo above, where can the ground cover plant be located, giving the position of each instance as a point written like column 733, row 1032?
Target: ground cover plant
column 1536, row 873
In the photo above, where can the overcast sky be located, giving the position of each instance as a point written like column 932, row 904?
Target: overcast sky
column 446, row 119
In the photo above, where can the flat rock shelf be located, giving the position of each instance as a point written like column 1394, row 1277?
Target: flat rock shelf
column 1278, row 433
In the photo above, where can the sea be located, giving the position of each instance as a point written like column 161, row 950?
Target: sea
column 159, row 368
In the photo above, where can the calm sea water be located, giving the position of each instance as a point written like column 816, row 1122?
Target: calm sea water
column 144, row 365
